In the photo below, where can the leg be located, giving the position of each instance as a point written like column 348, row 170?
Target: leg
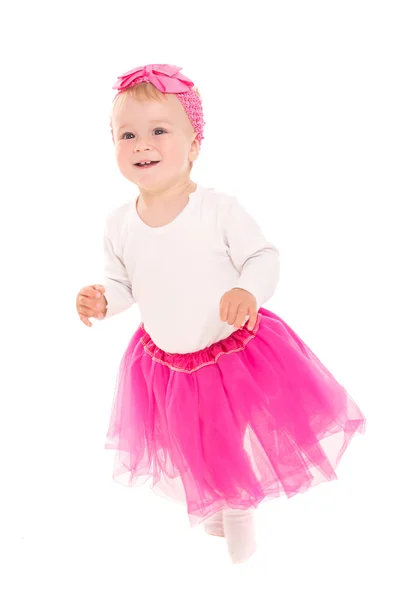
column 214, row 525
column 240, row 534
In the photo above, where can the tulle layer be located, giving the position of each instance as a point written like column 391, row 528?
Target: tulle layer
column 251, row 418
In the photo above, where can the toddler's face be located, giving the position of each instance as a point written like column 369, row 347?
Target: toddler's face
column 149, row 130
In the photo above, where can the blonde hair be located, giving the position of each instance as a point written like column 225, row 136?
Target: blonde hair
column 143, row 91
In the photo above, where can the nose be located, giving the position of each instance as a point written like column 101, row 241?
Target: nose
column 141, row 144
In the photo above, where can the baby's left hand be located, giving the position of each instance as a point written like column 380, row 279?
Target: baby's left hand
column 236, row 305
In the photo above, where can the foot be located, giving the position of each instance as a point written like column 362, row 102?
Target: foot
column 215, row 534
column 245, row 559
column 214, row 525
column 239, row 527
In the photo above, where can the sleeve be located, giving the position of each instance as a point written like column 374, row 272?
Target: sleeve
column 256, row 259
column 118, row 287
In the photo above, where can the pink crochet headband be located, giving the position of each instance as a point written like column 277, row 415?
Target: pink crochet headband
column 169, row 80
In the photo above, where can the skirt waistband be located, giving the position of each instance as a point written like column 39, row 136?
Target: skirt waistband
column 188, row 363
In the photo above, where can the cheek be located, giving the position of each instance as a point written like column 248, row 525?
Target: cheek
column 122, row 154
column 178, row 153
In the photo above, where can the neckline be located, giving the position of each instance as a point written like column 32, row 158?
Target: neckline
column 182, row 215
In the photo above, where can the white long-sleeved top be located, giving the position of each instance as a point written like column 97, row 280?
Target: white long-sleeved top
column 178, row 273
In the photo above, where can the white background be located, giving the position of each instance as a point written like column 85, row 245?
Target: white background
column 301, row 101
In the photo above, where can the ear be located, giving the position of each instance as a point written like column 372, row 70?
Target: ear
column 194, row 149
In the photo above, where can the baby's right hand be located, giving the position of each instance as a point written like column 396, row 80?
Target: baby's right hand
column 91, row 302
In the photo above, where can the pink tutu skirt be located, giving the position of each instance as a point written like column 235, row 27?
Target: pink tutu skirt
column 248, row 419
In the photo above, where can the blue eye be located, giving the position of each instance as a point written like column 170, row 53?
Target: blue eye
column 123, row 136
column 163, row 130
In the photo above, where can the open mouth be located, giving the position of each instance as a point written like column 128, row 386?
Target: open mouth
column 147, row 164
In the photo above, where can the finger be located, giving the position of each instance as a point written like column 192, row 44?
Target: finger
column 233, row 308
column 241, row 316
column 253, row 320
column 91, row 312
column 88, row 292
column 224, row 310
column 91, row 291
column 91, row 303
column 85, row 320
column 100, row 288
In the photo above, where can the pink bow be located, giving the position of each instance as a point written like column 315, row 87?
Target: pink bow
column 165, row 78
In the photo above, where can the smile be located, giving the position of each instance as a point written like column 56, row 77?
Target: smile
column 146, row 165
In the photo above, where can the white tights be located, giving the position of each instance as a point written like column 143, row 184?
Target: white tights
column 237, row 525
